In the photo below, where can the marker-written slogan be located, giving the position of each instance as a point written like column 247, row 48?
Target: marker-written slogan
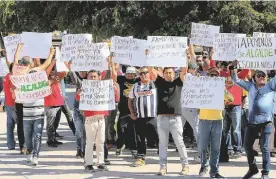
column 203, row 92
column 11, row 43
column 31, row 86
column 97, row 95
column 256, row 53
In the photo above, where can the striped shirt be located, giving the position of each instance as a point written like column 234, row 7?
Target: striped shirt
column 34, row 110
column 145, row 99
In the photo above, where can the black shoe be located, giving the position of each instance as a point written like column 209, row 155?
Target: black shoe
column 218, row 176
column 12, row 148
column 79, row 153
column 103, row 168
column 89, row 168
column 57, row 142
column 51, row 144
column 252, row 171
column 272, row 154
column 106, row 162
column 203, row 171
column 58, row 136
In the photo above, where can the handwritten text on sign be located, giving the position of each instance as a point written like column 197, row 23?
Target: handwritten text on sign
column 31, row 86
column 225, row 46
column 203, row 34
column 128, row 51
column 264, row 35
column 91, row 56
column 166, row 51
column 256, row 53
column 203, row 92
column 97, row 95
column 11, row 43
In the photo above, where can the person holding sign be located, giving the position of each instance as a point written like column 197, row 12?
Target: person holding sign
column 142, row 104
column 169, row 116
column 261, row 96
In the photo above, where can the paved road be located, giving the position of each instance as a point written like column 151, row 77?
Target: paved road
column 60, row 163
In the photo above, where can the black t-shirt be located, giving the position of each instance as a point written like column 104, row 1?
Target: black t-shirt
column 125, row 87
column 169, row 95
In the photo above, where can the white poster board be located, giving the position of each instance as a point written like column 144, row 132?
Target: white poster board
column 97, row 95
column 166, row 51
column 203, row 34
column 4, row 69
column 203, row 92
column 128, row 51
column 61, row 67
column 225, row 46
column 31, row 87
column 264, row 35
column 91, row 57
column 36, row 45
column 11, row 43
column 256, row 53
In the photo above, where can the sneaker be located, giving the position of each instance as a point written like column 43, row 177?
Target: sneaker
column 203, row 171
column 35, row 161
column 264, row 177
column 30, row 158
column 252, row 171
column 89, row 168
column 106, row 162
column 218, row 176
column 237, row 155
column 162, row 172
column 185, row 170
column 139, row 163
column 79, row 153
column 103, row 168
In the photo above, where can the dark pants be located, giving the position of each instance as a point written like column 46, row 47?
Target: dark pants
column 69, row 117
column 126, row 133
column 105, row 151
column 20, row 130
column 263, row 132
column 51, row 117
column 33, row 134
column 1, row 84
column 142, row 127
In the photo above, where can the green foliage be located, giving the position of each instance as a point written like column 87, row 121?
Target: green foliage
column 139, row 19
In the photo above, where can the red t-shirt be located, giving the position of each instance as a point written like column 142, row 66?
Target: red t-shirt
column 94, row 113
column 7, row 90
column 55, row 98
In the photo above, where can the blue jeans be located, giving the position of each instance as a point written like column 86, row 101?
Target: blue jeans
column 209, row 131
column 79, row 125
column 33, row 134
column 253, row 132
column 232, row 123
column 11, row 121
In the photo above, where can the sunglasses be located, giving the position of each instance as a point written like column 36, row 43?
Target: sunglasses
column 143, row 73
column 213, row 75
column 199, row 61
column 259, row 75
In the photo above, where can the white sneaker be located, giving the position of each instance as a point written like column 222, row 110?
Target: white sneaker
column 35, row 161
column 30, row 158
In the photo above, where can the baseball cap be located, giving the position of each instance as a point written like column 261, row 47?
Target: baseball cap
column 261, row 71
column 192, row 65
column 25, row 60
column 131, row 70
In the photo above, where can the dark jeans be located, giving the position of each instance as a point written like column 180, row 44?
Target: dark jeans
column 142, row 127
column 33, row 134
column 110, row 132
column 51, row 116
column 1, row 84
column 232, row 120
column 105, row 151
column 244, row 123
column 126, row 133
column 69, row 117
column 80, row 129
column 263, row 132
column 11, row 121
column 20, row 130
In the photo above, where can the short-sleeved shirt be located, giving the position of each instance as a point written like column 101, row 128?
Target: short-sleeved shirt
column 7, row 90
column 169, row 95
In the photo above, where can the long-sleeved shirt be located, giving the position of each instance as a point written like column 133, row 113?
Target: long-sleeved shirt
column 260, row 99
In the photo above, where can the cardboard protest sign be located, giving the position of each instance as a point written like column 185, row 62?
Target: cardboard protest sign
column 19, row 70
column 11, row 43
column 61, row 67
column 71, row 43
column 36, row 45
column 203, row 34
column 166, row 51
column 91, row 57
column 203, row 92
column 31, row 87
column 128, row 51
column 264, row 35
column 4, row 69
column 256, row 53
column 225, row 46
column 97, row 95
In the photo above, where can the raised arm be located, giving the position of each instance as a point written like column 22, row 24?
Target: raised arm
column 75, row 79
column 6, row 57
column 192, row 51
column 17, row 53
column 50, row 67
column 112, row 68
column 243, row 84
column 153, row 73
column 49, row 59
